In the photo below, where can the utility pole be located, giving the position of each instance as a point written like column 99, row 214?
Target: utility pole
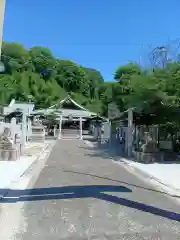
column 2, row 11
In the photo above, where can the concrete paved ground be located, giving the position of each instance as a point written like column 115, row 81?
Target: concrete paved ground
column 81, row 194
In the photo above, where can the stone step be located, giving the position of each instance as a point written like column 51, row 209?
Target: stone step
column 70, row 137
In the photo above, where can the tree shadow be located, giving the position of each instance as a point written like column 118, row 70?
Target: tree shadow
column 13, row 195
column 111, row 151
column 106, row 150
column 99, row 192
column 169, row 162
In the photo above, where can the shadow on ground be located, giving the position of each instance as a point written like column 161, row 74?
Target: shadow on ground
column 105, row 150
column 113, row 150
column 100, row 192
column 118, row 181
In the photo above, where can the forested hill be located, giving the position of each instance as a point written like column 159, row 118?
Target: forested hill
column 37, row 73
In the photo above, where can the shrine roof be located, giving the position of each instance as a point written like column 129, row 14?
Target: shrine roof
column 68, row 107
column 66, row 100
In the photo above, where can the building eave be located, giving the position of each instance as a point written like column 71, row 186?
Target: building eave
column 70, row 99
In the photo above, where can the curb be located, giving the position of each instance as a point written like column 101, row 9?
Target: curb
column 90, row 144
column 10, row 186
column 150, row 177
column 39, row 155
column 146, row 175
column 39, row 165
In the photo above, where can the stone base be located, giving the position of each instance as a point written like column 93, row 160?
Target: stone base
column 147, row 157
column 10, row 154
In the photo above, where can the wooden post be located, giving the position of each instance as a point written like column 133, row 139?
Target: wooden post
column 60, row 126
column 80, row 125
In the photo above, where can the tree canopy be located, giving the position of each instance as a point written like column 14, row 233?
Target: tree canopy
column 38, row 73
column 149, row 92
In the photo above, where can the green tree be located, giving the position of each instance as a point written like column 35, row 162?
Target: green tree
column 43, row 61
column 38, row 73
column 15, row 57
column 95, row 81
column 71, row 77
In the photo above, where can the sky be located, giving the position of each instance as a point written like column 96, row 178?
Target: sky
column 99, row 34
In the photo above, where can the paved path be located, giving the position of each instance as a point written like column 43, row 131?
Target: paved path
column 82, row 195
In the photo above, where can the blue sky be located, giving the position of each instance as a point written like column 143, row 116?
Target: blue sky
column 97, row 34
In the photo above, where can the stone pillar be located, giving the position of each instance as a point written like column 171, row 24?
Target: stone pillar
column 24, row 131
column 13, row 127
column 28, row 126
column 54, row 131
column 80, row 125
column 130, row 133
column 107, row 129
column 60, row 126
column 29, row 129
column 99, row 132
column 2, row 10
